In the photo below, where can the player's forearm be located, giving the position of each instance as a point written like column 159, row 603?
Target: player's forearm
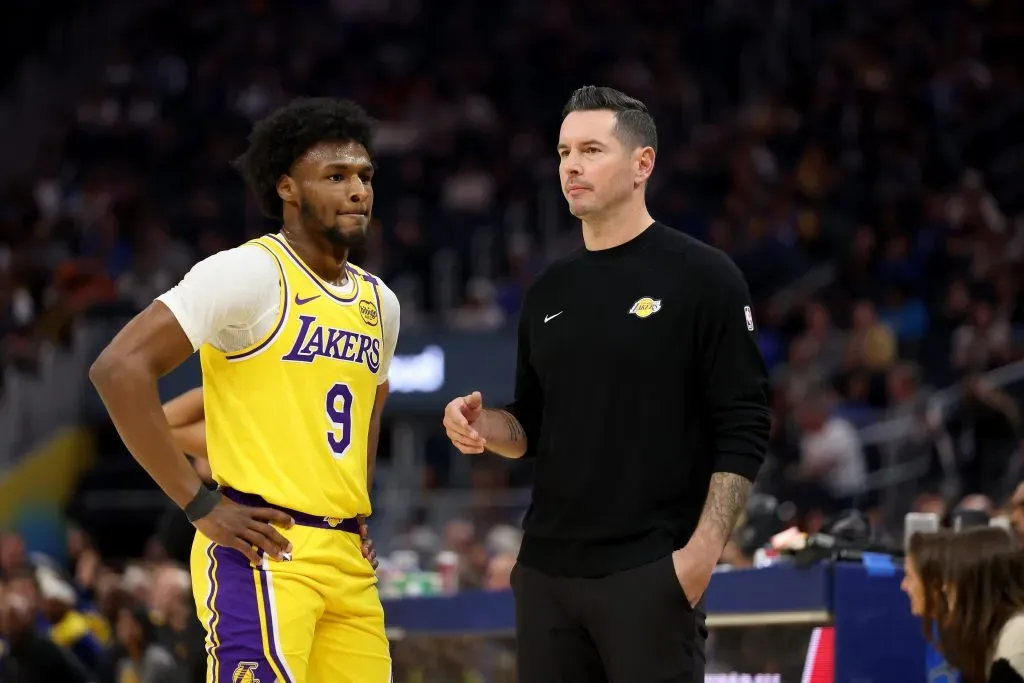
column 503, row 433
column 191, row 438
column 373, row 438
column 186, row 409
column 727, row 497
column 129, row 391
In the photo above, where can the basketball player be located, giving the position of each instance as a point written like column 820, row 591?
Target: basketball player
column 295, row 344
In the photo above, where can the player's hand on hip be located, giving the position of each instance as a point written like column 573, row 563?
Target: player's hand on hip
column 247, row 529
column 460, row 419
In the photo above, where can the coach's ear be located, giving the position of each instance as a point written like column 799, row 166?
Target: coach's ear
column 644, row 165
column 286, row 189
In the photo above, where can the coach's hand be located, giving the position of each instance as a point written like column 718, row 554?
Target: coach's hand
column 460, row 416
column 247, row 528
column 369, row 551
column 693, row 570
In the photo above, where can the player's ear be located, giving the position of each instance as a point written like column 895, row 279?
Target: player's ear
column 286, row 189
column 644, row 165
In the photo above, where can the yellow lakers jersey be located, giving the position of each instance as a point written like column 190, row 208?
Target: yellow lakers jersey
column 287, row 418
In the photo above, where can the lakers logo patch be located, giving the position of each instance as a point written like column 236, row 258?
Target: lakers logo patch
column 245, row 672
column 645, row 307
column 368, row 312
column 332, row 522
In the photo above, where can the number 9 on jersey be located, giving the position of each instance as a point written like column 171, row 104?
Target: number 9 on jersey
column 339, row 414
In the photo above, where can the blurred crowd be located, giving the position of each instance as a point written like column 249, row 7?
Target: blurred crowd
column 860, row 161
column 81, row 620
column 878, row 137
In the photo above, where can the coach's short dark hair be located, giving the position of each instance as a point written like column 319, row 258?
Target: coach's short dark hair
column 633, row 123
column 285, row 135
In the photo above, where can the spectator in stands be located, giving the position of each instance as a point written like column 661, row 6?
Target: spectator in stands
column 481, row 312
column 982, row 342
column 69, row 628
column 13, row 557
column 831, row 471
column 801, row 375
column 931, row 502
column 870, row 345
column 969, row 589
column 987, row 429
column 32, row 657
column 906, row 315
column 826, row 340
column 1017, row 512
column 499, row 573
column 138, row 656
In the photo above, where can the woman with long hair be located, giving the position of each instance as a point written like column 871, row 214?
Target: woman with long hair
column 968, row 588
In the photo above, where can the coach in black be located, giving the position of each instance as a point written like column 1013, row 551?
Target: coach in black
column 641, row 392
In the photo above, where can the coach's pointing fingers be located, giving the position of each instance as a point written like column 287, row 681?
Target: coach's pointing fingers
column 468, row 447
column 464, row 437
column 456, row 426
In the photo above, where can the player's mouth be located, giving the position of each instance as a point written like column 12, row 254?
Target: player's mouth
column 357, row 216
column 576, row 190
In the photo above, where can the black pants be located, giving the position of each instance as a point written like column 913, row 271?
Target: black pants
column 635, row 626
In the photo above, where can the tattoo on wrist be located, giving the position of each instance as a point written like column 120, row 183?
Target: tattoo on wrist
column 515, row 430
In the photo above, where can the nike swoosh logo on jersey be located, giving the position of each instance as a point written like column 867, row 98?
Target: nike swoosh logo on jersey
column 300, row 301
column 553, row 316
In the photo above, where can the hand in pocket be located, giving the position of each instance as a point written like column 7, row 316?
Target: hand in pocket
column 693, row 573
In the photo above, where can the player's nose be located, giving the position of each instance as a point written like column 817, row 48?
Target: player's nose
column 359, row 192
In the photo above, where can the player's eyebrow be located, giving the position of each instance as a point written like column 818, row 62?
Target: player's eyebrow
column 359, row 166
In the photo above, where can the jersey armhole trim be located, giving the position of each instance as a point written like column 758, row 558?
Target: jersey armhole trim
column 380, row 308
column 282, row 315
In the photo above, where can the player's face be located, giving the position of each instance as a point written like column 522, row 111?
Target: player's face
column 335, row 191
column 596, row 169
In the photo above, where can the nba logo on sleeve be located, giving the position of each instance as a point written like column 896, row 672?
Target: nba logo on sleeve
column 750, row 318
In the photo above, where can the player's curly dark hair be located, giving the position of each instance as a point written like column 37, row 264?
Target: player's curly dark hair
column 286, row 134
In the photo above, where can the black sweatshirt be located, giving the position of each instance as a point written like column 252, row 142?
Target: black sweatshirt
column 638, row 376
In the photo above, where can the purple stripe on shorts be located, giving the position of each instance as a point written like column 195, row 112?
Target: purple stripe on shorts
column 239, row 633
column 211, row 649
column 272, row 627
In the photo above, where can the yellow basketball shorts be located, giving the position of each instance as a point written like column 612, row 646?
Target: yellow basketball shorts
column 316, row 618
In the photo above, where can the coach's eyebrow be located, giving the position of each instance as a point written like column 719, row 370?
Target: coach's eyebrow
column 584, row 143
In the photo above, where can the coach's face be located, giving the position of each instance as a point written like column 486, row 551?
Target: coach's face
column 332, row 184
column 597, row 169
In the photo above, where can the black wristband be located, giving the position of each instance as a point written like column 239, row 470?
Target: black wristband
column 202, row 504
